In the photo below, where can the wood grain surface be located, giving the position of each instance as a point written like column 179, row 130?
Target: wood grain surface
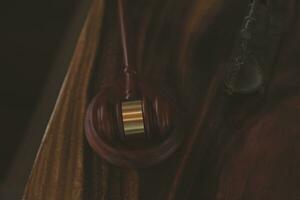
column 235, row 147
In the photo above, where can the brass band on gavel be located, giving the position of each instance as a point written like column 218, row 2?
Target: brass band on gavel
column 133, row 120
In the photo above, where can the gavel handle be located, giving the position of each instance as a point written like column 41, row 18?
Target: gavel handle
column 124, row 39
column 130, row 85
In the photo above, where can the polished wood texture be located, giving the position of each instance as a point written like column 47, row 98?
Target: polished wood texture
column 235, row 147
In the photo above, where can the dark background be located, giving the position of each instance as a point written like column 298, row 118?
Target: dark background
column 31, row 35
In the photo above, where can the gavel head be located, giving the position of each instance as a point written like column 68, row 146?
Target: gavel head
column 133, row 132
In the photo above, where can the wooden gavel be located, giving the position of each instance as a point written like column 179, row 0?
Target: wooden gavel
column 133, row 123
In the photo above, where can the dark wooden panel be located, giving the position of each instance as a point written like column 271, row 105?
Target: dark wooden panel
column 31, row 33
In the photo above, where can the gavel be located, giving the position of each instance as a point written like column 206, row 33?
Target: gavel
column 133, row 122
